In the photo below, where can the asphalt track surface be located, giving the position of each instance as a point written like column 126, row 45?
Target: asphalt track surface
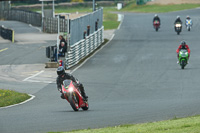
column 133, row 79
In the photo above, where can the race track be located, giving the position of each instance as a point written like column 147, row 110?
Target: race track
column 133, row 79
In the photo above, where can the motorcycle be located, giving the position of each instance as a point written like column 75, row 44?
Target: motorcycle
column 156, row 25
column 73, row 95
column 183, row 58
column 188, row 24
column 178, row 28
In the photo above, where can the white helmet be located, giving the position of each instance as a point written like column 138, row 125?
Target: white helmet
column 178, row 17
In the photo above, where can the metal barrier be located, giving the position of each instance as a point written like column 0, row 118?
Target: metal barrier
column 50, row 25
column 88, row 23
column 83, row 48
column 7, row 33
column 22, row 16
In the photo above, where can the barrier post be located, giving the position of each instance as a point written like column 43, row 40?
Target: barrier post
column 13, row 36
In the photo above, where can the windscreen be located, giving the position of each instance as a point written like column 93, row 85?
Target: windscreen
column 66, row 82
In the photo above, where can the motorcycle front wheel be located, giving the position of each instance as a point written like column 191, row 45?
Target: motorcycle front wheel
column 74, row 101
column 182, row 64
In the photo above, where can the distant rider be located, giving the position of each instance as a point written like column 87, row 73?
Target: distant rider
column 178, row 20
column 189, row 19
column 183, row 45
column 62, row 75
column 156, row 18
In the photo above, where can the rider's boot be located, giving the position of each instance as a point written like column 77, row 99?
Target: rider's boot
column 62, row 96
column 85, row 97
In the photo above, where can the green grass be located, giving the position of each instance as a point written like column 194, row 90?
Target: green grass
column 184, row 125
column 132, row 7
column 110, row 20
column 8, row 97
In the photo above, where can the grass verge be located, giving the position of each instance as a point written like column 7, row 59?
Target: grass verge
column 8, row 97
column 132, row 7
column 183, row 125
column 110, row 20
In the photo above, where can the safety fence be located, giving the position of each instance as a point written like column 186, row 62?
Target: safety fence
column 7, row 33
column 83, row 48
column 85, row 25
column 50, row 25
column 28, row 17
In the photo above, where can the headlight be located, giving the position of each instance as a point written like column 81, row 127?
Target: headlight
column 181, row 52
column 71, row 89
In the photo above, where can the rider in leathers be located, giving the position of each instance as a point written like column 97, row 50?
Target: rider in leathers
column 62, row 75
column 156, row 18
column 178, row 20
column 183, row 45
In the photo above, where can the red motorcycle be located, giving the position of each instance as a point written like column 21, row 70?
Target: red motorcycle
column 156, row 24
column 73, row 95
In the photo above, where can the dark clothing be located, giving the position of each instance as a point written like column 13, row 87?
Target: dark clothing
column 156, row 18
column 178, row 20
column 62, row 49
column 63, row 40
column 62, row 77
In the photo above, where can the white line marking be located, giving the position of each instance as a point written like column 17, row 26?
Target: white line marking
column 121, row 22
column 32, row 97
column 34, row 75
column 36, row 81
column 35, row 27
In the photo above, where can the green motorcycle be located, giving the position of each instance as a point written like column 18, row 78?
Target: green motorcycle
column 183, row 58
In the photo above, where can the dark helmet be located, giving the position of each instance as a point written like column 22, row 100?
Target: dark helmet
column 60, row 70
column 183, row 43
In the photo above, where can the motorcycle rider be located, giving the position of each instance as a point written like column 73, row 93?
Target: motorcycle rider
column 62, row 75
column 188, row 18
column 183, row 45
column 156, row 18
column 178, row 20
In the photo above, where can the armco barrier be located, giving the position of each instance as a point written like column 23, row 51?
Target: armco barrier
column 83, row 48
column 7, row 33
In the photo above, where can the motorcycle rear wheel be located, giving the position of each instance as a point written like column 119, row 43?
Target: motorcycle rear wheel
column 86, row 107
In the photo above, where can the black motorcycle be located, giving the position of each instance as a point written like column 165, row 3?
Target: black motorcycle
column 178, row 28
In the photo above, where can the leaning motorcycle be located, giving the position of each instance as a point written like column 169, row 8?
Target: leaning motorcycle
column 188, row 24
column 156, row 25
column 178, row 28
column 73, row 95
column 183, row 58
